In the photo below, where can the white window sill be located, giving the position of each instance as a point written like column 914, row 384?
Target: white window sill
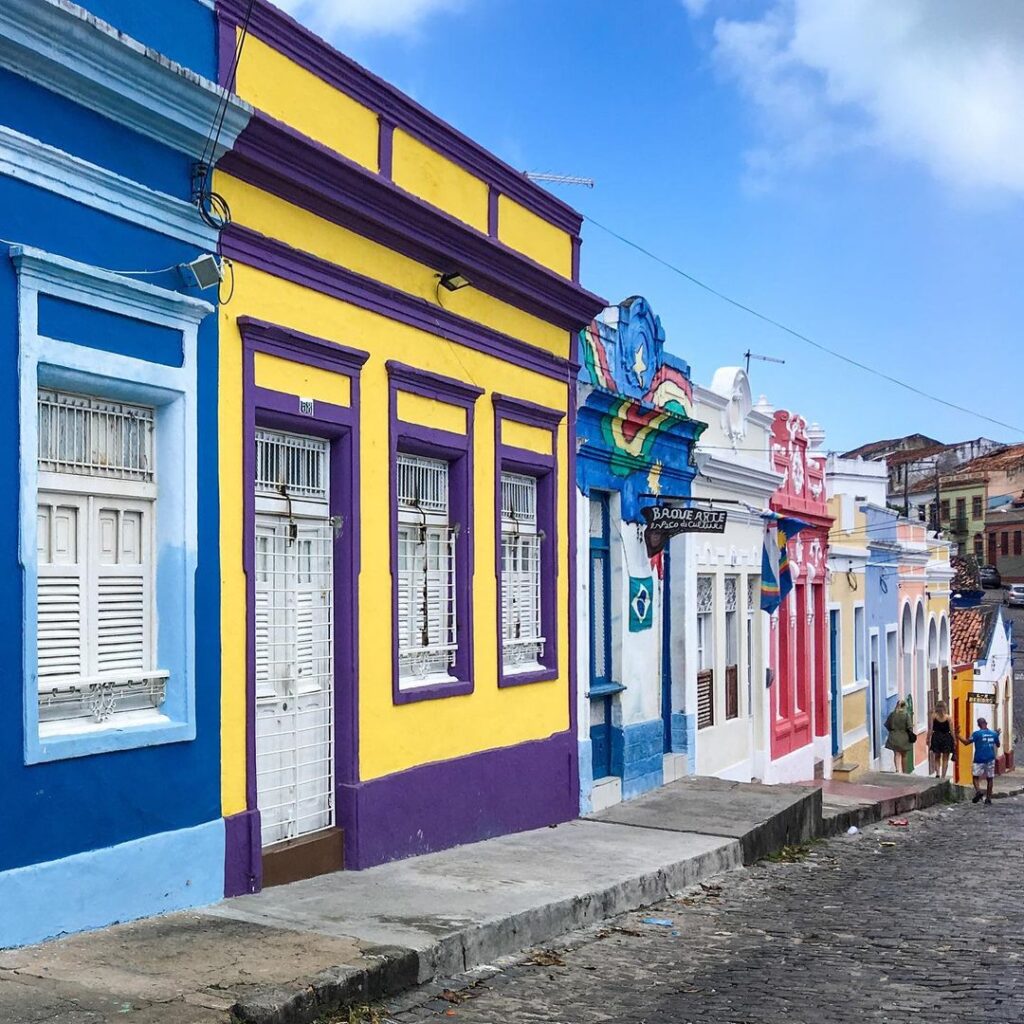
column 521, row 667
column 416, row 683
column 855, row 687
column 84, row 727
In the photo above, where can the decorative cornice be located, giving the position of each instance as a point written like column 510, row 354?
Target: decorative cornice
column 435, row 384
column 70, row 51
column 28, row 159
column 308, row 50
column 284, row 341
column 737, row 477
column 518, row 409
column 57, row 274
column 310, row 271
column 276, row 158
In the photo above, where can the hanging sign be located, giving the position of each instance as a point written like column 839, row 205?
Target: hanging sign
column 665, row 521
column 977, row 697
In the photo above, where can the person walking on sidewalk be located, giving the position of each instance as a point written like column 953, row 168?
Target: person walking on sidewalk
column 985, row 741
column 940, row 740
column 900, row 739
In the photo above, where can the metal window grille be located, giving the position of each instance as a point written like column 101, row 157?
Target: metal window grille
column 521, row 567
column 705, row 594
column 423, row 485
column 292, row 462
column 427, row 608
column 94, row 437
column 294, row 589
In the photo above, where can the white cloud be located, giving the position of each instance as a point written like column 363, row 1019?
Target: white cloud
column 370, row 17
column 695, row 8
column 936, row 81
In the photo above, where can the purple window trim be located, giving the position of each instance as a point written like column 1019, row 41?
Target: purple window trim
column 296, row 42
column 340, row 424
column 492, row 211
column 457, row 451
column 274, row 257
column 385, row 147
column 544, row 468
column 577, row 242
column 278, row 159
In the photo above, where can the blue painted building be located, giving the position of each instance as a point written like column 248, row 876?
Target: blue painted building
column 881, row 604
column 109, row 745
column 635, row 440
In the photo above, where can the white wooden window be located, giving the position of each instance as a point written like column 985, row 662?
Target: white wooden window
column 522, row 634
column 95, row 517
column 705, row 622
column 427, row 625
column 705, row 651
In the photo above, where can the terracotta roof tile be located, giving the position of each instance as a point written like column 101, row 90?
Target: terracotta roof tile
column 970, row 631
column 965, row 629
column 966, row 575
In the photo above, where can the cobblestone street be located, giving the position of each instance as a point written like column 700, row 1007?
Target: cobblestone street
column 893, row 924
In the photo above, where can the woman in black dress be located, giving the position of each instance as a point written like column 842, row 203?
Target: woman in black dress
column 941, row 743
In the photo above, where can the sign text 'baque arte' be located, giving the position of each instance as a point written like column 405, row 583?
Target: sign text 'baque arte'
column 665, row 521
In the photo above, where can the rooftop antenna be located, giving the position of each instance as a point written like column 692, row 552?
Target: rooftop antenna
column 748, row 355
column 559, row 179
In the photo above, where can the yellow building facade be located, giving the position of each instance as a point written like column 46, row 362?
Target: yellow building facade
column 397, row 385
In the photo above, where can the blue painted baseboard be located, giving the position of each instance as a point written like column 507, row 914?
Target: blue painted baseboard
column 154, row 875
column 684, row 734
column 637, row 753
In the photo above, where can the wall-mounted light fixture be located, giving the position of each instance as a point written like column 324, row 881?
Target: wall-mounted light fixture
column 203, row 272
column 452, row 281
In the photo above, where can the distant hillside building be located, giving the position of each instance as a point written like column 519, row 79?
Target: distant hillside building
column 960, row 503
column 917, row 458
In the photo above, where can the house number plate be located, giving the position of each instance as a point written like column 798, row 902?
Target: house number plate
column 305, row 406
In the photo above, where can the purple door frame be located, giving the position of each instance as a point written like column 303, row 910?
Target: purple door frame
column 340, row 425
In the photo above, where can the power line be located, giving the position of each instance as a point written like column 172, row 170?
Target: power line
column 797, row 334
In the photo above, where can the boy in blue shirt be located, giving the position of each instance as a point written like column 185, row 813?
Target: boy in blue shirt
column 985, row 742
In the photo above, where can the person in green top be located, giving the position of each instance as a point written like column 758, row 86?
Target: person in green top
column 899, row 740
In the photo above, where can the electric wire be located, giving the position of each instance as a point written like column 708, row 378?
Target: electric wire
column 797, row 334
column 212, row 206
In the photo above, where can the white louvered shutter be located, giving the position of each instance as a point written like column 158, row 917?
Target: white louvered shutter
column 95, row 564
column 120, row 592
column 60, row 590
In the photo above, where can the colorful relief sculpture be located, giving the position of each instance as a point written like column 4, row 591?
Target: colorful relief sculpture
column 635, row 442
column 108, row 544
column 635, row 405
column 396, row 467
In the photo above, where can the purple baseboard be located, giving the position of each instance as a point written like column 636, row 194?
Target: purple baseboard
column 243, row 854
column 448, row 803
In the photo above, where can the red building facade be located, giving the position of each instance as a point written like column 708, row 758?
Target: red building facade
column 798, row 694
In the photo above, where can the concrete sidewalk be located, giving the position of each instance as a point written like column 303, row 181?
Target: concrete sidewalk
column 877, row 795
column 296, row 952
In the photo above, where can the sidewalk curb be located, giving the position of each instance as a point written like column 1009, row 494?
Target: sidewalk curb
column 398, row 969
column 868, row 814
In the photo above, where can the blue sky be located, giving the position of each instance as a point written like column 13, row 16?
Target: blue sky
column 854, row 174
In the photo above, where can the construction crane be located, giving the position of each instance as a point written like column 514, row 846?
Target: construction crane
column 559, row 179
